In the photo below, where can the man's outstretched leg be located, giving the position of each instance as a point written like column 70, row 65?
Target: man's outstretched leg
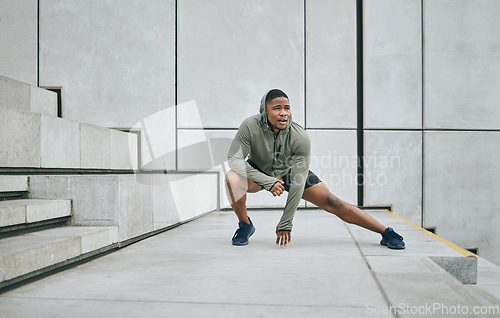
column 319, row 195
column 236, row 190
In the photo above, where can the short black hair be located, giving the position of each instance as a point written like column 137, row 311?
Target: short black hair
column 274, row 93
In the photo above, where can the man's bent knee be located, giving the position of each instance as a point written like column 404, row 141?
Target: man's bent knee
column 233, row 179
column 234, row 187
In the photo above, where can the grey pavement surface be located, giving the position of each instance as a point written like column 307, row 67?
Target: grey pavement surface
column 330, row 269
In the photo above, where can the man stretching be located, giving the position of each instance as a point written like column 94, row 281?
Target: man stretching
column 279, row 155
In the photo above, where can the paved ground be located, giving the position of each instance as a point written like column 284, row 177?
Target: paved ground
column 329, row 270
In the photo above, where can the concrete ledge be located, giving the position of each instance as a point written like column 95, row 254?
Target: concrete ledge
column 420, row 243
column 23, row 254
column 13, row 183
column 99, row 238
column 462, row 268
column 123, row 150
column 29, row 211
column 32, row 140
column 11, row 214
column 40, row 210
column 22, row 96
column 20, row 138
column 105, row 148
column 14, row 94
column 440, row 239
column 27, row 253
column 92, row 238
column 43, row 101
column 95, row 148
column 60, row 143
column 136, row 203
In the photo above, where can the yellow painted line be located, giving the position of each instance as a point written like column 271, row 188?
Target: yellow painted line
column 453, row 246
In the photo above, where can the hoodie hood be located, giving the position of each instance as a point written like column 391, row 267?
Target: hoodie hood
column 263, row 114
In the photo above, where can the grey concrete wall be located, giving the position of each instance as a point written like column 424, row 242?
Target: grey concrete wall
column 392, row 59
column 458, row 63
column 261, row 52
column 114, row 59
column 461, row 67
column 462, row 63
column 18, row 38
column 331, row 64
column 393, row 171
column 230, row 53
column 203, row 149
column 461, row 186
column 334, row 161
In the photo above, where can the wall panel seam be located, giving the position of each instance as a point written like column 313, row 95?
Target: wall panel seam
column 176, row 144
column 422, row 37
column 38, row 43
column 360, row 88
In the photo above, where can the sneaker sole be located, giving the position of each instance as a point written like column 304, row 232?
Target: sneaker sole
column 394, row 247
column 240, row 244
column 245, row 243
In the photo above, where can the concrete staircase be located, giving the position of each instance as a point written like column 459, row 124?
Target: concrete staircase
column 37, row 232
column 71, row 190
column 35, row 237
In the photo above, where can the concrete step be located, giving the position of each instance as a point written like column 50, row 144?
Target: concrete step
column 18, row 95
column 28, row 254
column 26, row 211
column 13, row 183
column 49, row 142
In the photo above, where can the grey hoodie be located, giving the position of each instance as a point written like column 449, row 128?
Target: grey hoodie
column 275, row 155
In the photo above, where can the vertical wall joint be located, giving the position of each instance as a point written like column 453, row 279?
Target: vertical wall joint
column 359, row 84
